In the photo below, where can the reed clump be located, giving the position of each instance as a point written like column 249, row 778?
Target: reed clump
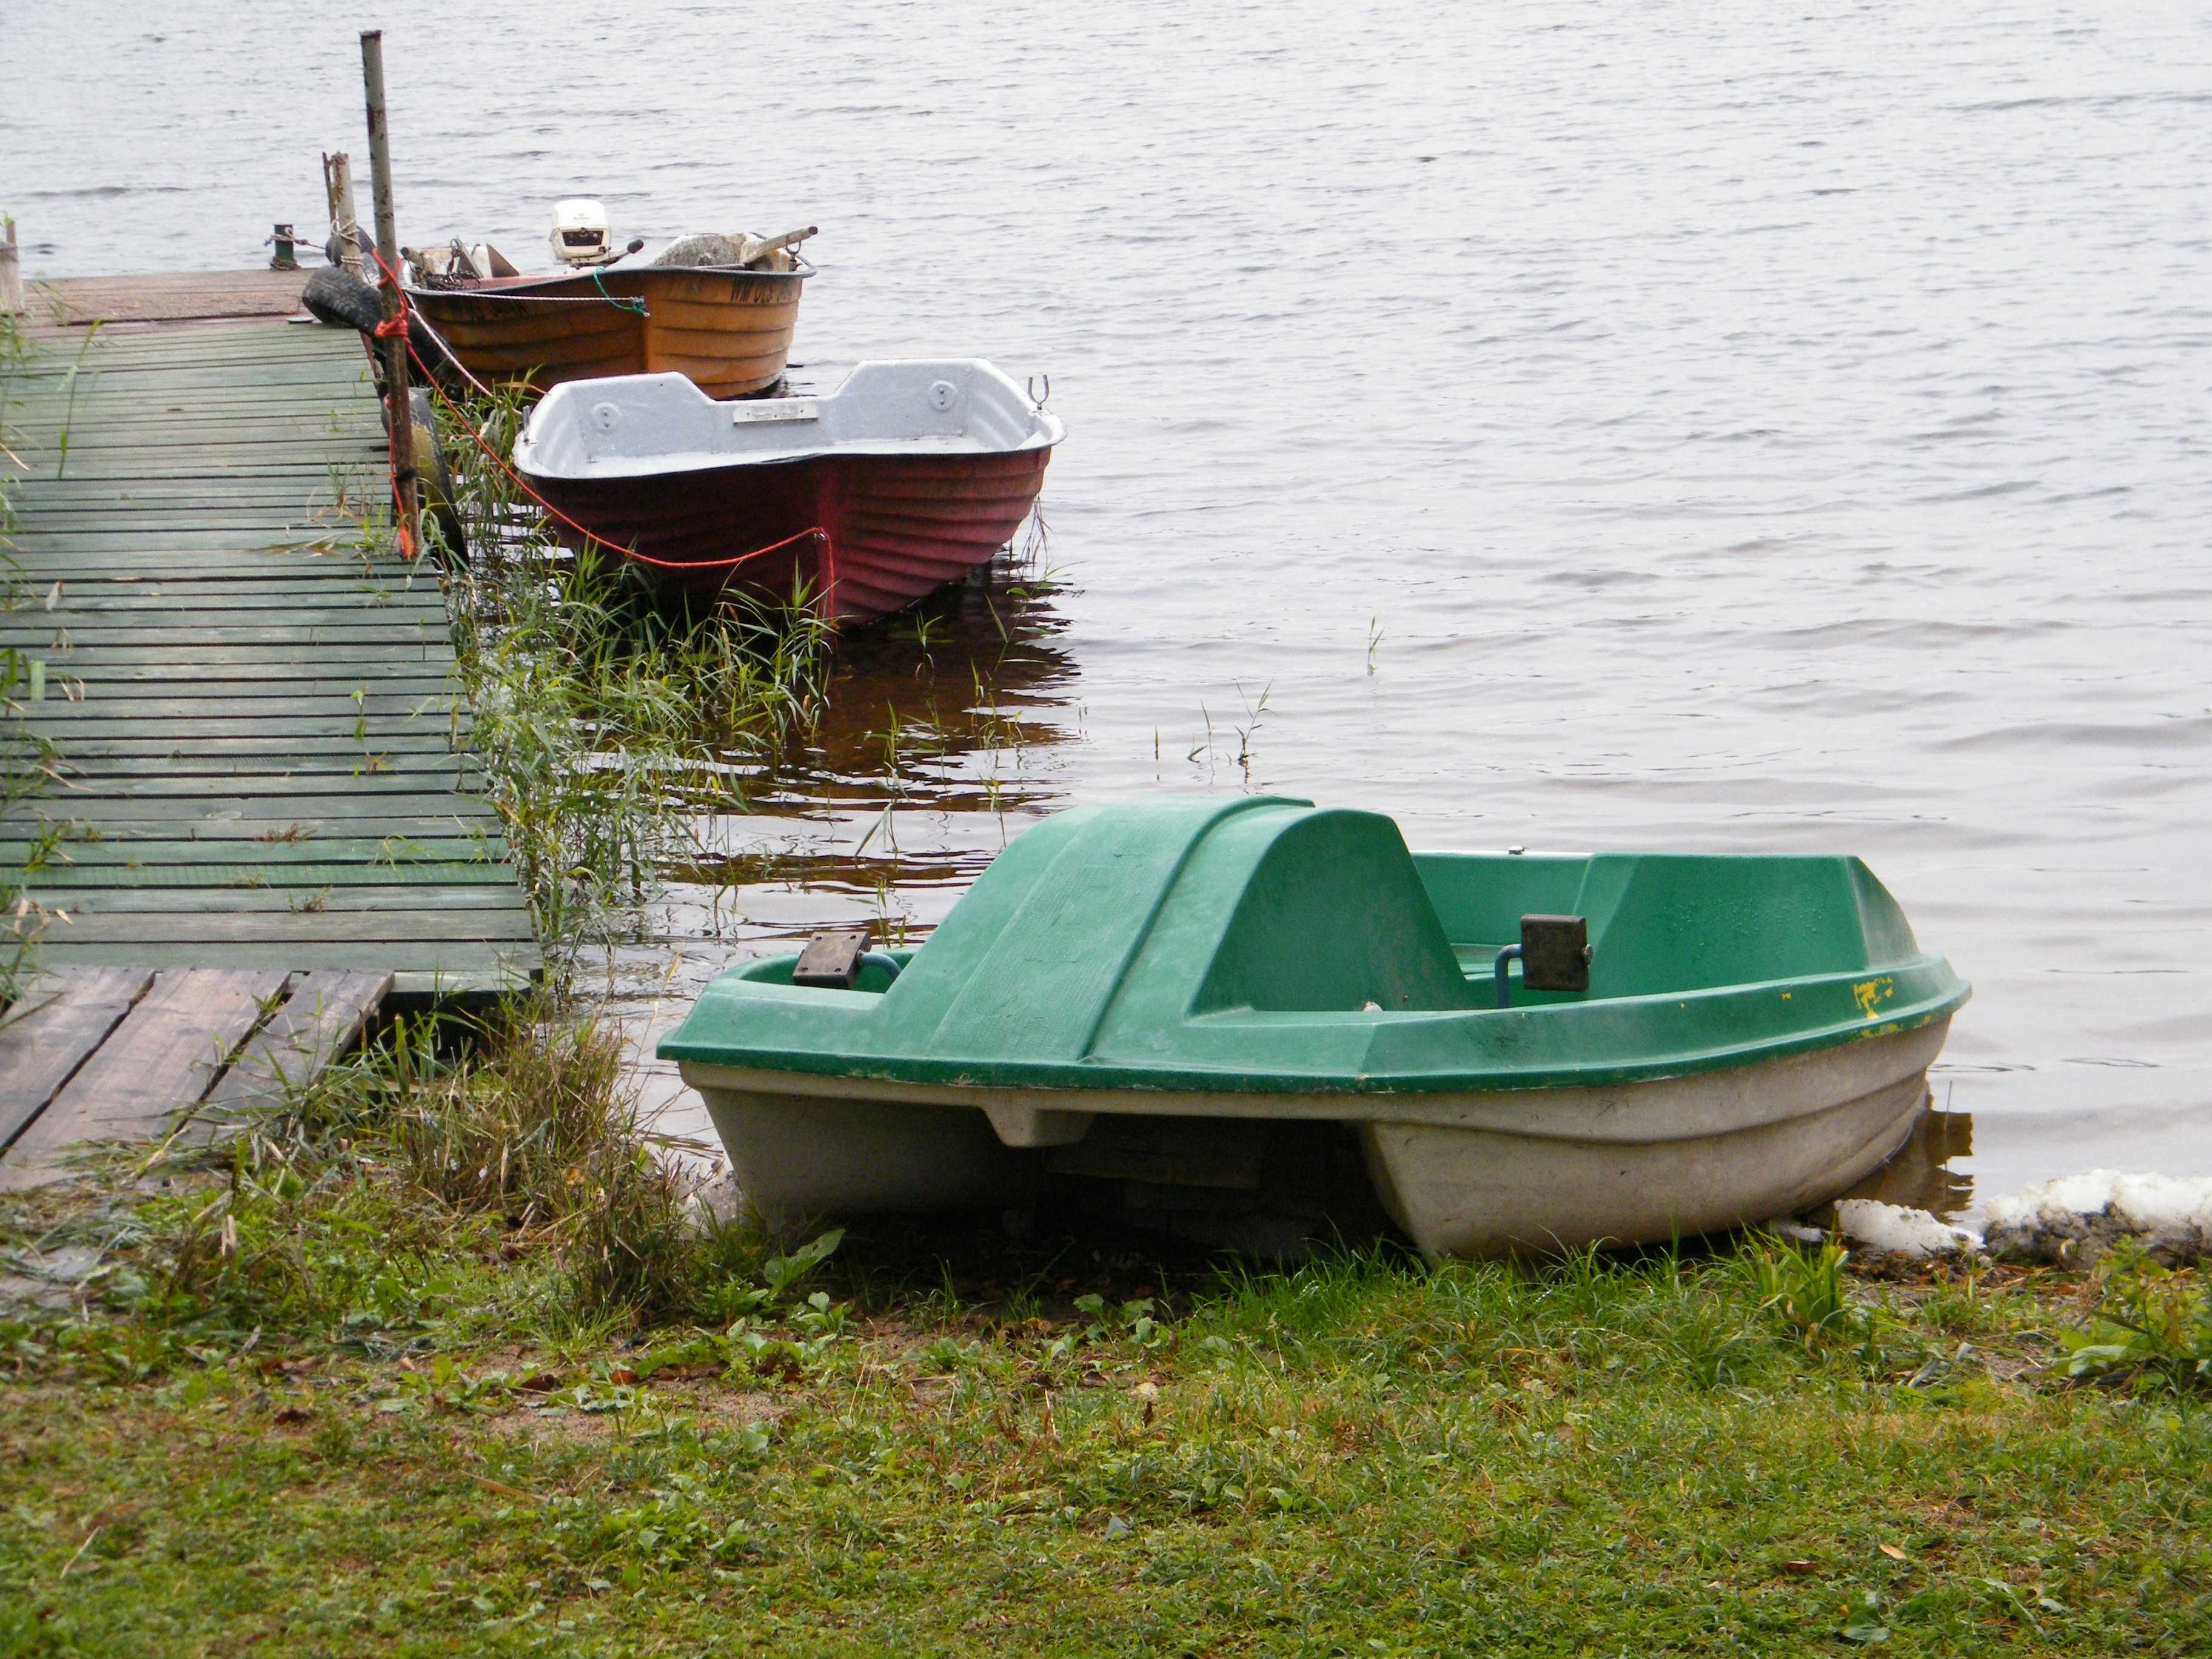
column 27, row 759
column 452, row 1182
column 610, row 725
column 539, row 1130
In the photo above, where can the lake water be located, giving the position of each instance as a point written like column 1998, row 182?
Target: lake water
column 1591, row 427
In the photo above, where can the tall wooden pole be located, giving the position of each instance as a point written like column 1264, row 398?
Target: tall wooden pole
column 402, row 411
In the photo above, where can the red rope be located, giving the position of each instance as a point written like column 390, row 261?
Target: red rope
column 398, row 506
column 597, row 540
column 816, row 530
column 397, row 326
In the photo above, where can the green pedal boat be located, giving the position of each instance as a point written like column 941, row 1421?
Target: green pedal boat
column 1220, row 1012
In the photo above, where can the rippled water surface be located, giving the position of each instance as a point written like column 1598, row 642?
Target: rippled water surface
column 1726, row 428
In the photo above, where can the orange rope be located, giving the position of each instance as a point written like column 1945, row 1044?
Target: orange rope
column 815, row 530
column 391, row 326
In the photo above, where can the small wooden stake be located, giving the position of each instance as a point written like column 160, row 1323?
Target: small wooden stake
column 401, row 410
column 11, row 271
column 345, row 224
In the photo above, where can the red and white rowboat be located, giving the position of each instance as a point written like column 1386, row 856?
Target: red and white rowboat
column 906, row 476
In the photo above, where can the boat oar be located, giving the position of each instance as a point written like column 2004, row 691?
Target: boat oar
column 751, row 250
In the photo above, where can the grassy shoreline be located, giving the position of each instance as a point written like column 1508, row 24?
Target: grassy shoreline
column 1033, row 1450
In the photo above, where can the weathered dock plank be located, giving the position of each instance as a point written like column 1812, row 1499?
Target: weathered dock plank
column 261, row 754
column 108, row 1054
column 167, row 297
column 325, row 1017
column 160, row 1060
column 466, row 966
column 378, row 861
column 53, row 1029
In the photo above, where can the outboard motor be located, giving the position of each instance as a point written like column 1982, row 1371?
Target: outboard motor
column 580, row 231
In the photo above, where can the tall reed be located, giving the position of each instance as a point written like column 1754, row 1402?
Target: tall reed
column 26, row 758
column 446, row 1150
column 608, row 725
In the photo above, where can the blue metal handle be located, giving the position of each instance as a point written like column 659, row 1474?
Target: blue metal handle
column 1506, row 958
column 888, row 963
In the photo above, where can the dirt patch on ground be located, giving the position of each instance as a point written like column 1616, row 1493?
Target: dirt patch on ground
column 707, row 1405
column 727, row 1407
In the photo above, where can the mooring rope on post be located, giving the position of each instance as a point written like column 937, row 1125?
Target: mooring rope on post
column 395, row 328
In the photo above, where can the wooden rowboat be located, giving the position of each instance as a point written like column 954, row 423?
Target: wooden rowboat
column 905, row 476
column 728, row 331
column 1188, row 1007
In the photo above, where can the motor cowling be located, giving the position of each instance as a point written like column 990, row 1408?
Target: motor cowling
column 581, row 236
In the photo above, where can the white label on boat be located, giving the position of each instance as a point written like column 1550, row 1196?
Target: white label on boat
column 776, row 408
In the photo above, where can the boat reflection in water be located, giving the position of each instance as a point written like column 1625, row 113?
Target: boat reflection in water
column 1920, row 1175
column 940, row 737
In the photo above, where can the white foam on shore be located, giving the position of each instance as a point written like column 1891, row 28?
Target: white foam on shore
column 2079, row 1217
column 2075, row 1218
column 1892, row 1230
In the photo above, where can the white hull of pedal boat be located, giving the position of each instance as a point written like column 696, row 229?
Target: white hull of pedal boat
column 1463, row 1173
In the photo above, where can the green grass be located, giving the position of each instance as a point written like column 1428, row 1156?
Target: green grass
column 1366, row 1457
column 435, row 1364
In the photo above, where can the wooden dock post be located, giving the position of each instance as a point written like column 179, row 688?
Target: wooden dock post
column 11, row 270
column 346, row 224
column 399, row 410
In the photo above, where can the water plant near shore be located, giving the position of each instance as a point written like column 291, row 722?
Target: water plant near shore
column 2151, row 1329
column 28, row 759
column 604, row 722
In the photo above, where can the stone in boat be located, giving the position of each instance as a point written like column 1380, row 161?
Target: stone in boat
column 1195, row 998
column 905, row 476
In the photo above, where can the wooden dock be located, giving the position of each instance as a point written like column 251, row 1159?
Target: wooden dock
column 258, row 759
